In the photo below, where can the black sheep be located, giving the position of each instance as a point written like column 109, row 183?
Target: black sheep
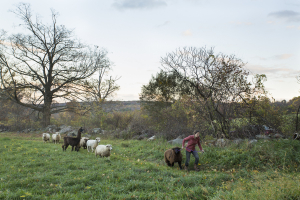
column 173, row 155
column 74, row 142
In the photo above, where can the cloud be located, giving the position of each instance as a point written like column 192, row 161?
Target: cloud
column 277, row 57
column 187, row 33
column 283, row 56
column 241, row 23
column 138, row 4
column 164, row 24
column 287, row 15
column 290, row 27
column 279, row 72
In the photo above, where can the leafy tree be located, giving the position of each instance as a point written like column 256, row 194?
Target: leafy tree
column 47, row 64
column 213, row 80
column 162, row 90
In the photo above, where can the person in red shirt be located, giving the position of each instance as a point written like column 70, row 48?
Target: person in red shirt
column 190, row 149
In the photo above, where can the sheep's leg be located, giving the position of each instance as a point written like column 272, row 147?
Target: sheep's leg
column 168, row 163
column 179, row 163
column 172, row 164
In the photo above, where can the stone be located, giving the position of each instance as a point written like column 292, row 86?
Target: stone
column 176, row 141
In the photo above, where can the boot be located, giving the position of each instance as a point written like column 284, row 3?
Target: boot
column 196, row 168
column 186, row 168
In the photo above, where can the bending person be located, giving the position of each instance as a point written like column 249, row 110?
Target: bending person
column 190, row 149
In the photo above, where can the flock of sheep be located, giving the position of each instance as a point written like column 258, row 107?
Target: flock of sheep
column 171, row 155
column 78, row 142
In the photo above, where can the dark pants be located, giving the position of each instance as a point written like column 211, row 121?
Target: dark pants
column 188, row 155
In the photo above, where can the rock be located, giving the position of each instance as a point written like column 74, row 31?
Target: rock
column 210, row 142
column 237, row 141
column 180, row 137
column 26, row 130
column 140, row 137
column 252, row 142
column 96, row 131
column 51, row 128
column 151, row 138
column 265, row 137
column 66, row 129
column 221, row 142
column 87, row 135
column 176, row 141
column 72, row 133
column 143, row 136
column 278, row 136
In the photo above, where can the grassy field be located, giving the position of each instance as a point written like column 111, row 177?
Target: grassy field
column 31, row 169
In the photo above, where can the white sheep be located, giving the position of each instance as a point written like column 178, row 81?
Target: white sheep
column 83, row 142
column 92, row 144
column 46, row 137
column 56, row 137
column 103, row 150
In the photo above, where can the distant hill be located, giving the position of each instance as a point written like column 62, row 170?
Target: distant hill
column 110, row 106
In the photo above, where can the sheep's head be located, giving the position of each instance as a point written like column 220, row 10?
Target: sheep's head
column 176, row 150
column 108, row 146
column 98, row 139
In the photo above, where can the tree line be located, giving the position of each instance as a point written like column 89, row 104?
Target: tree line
column 196, row 87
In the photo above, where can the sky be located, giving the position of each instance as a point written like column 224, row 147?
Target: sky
column 265, row 34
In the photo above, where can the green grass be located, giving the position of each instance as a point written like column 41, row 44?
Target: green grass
column 31, row 169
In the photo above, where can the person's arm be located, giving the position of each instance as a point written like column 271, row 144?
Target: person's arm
column 199, row 145
column 183, row 142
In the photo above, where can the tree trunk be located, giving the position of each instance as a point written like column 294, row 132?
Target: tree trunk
column 46, row 117
column 47, row 111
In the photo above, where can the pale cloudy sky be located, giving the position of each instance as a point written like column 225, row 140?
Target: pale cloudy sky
column 137, row 33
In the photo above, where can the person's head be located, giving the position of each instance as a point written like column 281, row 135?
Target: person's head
column 196, row 133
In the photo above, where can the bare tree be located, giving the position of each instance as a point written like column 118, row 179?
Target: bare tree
column 46, row 64
column 104, row 86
